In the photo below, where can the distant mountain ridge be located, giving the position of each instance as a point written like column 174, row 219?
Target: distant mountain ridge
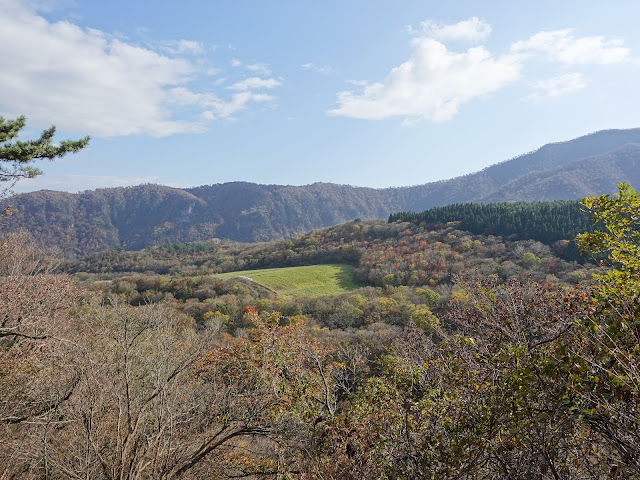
column 136, row 217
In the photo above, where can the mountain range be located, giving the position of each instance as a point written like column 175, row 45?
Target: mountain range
column 137, row 217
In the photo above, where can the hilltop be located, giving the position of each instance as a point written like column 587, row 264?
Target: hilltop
column 136, row 217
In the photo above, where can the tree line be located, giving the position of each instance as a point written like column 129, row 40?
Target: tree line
column 546, row 222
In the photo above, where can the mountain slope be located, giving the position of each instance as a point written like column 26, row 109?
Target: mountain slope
column 135, row 217
column 490, row 184
column 583, row 177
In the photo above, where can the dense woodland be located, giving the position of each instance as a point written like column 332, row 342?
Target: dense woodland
column 460, row 356
column 547, row 222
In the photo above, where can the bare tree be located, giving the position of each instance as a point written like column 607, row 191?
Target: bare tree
column 136, row 407
column 155, row 397
column 35, row 378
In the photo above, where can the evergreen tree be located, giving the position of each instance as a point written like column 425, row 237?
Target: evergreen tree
column 17, row 156
column 546, row 222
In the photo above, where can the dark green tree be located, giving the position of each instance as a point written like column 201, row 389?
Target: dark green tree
column 16, row 157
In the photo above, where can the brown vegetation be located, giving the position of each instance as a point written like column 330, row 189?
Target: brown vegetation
column 496, row 378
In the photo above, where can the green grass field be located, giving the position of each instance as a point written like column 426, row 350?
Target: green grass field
column 311, row 281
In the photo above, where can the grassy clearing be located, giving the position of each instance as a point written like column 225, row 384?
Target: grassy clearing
column 311, row 281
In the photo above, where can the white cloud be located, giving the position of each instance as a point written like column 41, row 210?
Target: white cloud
column 432, row 84
column 436, row 81
column 563, row 47
column 213, row 108
column 87, row 81
column 255, row 68
column 238, row 101
column 473, row 30
column 255, row 83
column 185, row 46
column 323, row 69
column 557, row 86
column 259, row 69
column 359, row 83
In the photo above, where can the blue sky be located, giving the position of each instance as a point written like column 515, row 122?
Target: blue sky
column 364, row 92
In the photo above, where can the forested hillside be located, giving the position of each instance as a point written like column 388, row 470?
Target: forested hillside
column 574, row 180
column 136, row 217
column 447, row 355
column 402, row 271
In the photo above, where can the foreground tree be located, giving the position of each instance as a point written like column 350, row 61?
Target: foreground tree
column 275, row 387
column 16, row 157
column 134, row 410
column 36, row 375
column 484, row 398
column 618, row 239
column 608, row 340
column 149, row 395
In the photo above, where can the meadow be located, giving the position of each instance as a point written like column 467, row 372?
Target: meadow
column 307, row 281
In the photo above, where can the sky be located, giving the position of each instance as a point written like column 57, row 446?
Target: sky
column 375, row 93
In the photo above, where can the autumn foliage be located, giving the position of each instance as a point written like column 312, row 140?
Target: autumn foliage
column 493, row 376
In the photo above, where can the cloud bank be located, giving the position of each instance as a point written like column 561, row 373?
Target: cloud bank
column 85, row 80
column 432, row 84
column 436, row 81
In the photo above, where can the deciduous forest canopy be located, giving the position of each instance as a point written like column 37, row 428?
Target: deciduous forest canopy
column 462, row 342
column 457, row 355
